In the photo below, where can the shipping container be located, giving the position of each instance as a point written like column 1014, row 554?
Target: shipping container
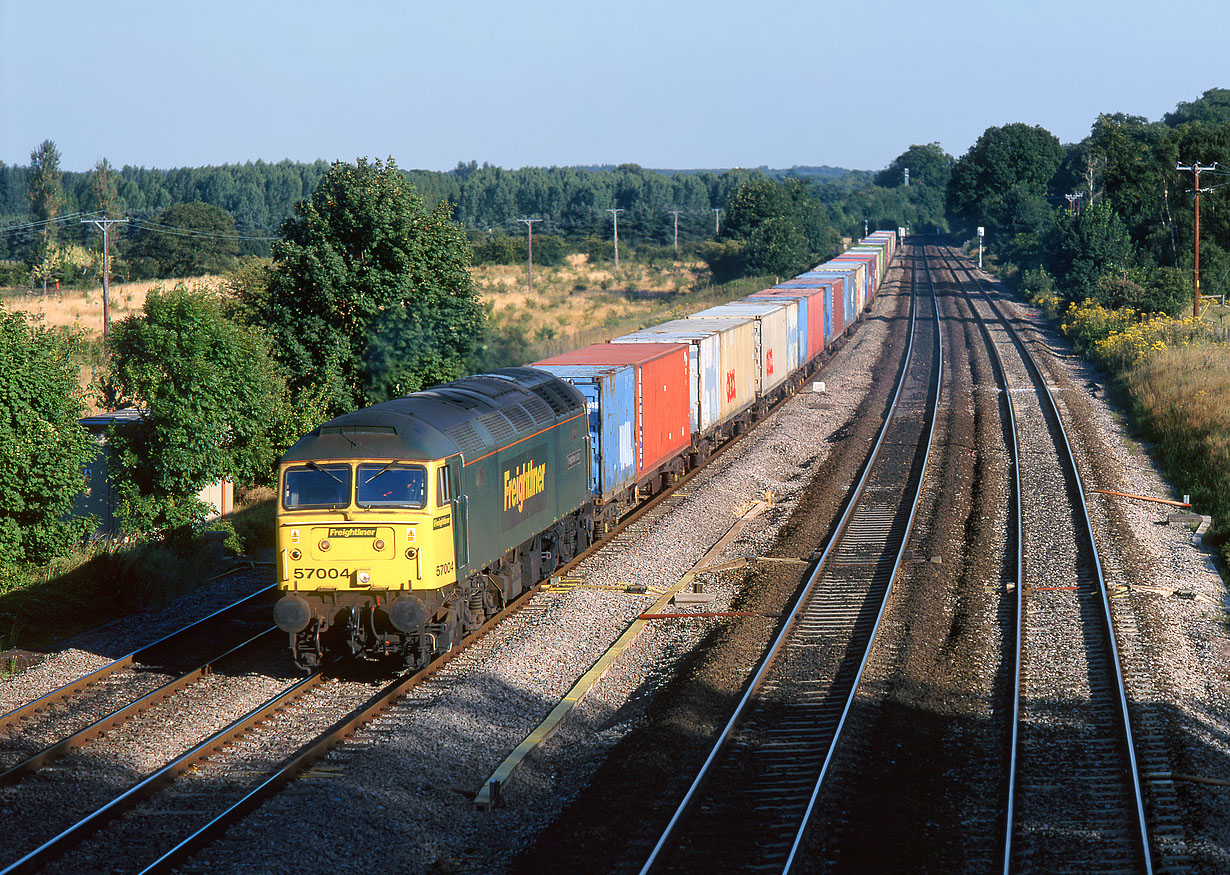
column 777, row 337
column 855, row 285
column 812, row 318
column 639, row 407
column 834, row 300
column 721, row 366
column 868, row 260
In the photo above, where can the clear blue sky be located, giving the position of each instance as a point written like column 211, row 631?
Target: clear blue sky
column 527, row 82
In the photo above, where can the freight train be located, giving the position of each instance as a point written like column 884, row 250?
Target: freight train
column 403, row 526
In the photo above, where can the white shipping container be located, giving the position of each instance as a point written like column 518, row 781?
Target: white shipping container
column 777, row 337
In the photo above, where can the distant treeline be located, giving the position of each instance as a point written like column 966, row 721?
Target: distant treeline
column 572, row 202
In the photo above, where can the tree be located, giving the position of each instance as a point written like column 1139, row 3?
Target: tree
column 43, row 449
column 370, row 295
column 45, row 190
column 1212, row 107
column 928, row 165
column 776, row 247
column 752, row 203
column 186, row 240
column 213, row 405
column 1087, row 247
column 1005, row 166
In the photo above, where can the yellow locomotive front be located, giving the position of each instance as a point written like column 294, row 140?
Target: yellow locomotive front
column 364, row 547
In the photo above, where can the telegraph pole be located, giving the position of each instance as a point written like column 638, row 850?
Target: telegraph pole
column 104, row 225
column 615, row 220
column 676, row 213
column 1195, row 169
column 529, row 227
column 717, row 211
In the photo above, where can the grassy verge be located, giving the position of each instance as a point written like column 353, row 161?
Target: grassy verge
column 42, row 605
column 575, row 305
column 1175, row 375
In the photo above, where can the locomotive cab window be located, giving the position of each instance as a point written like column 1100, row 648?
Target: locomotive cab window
column 315, row 486
column 392, row 485
column 443, row 493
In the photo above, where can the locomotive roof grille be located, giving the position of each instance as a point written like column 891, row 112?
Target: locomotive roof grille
column 499, row 426
column 467, row 439
column 519, row 416
column 540, row 410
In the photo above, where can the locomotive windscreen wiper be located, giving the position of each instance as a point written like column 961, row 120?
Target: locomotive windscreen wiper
column 378, row 473
column 316, row 467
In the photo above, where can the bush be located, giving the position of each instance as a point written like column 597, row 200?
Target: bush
column 43, row 449
column 1089, row 322
column 214, row 405
column 1125, row 349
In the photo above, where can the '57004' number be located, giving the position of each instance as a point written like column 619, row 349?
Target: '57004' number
column 322, row 573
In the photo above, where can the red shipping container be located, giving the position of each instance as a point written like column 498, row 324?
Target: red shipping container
column 663, row 390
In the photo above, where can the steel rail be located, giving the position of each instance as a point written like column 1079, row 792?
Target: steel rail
column 101, row 726
column 149, row 785
column 909, row 527
column 1019, row 578
column 1069, row 458
column 63, row 692
column 315, row 749
column 796, row 609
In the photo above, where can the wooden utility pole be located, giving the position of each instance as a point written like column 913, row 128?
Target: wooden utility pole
column 104, row 225
column 676, row 213
column 615, row 218
column 1195, row 170
column 529, row 226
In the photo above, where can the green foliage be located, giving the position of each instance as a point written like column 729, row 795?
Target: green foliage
column 185, row 240
column 929, row 165
column 780, row 229
column 1213, row 107
column 1008, row 169
column 1086, row 247
column 43, row 449
column 549, row 250
column 44, row 189
column 370, row 295
column 213, row 402
column 727, row 260
column 777, row 247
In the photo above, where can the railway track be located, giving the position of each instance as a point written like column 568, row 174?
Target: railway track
column 1073, row 800
column 189, row 819
column 749, row 805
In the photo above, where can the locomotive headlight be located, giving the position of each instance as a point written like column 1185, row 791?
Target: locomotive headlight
column 378, row 544
column 364, row 578
column 411, row 552
column 296, row 555
column 324, row 545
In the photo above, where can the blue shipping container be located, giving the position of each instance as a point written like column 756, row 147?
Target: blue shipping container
column 610, row 395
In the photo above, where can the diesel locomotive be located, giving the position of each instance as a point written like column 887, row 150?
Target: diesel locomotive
column 403, row 526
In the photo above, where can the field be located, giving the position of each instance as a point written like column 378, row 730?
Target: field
column 571, row 305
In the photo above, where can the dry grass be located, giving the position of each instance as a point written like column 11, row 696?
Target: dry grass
column 83, row 310
column 576, row 303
